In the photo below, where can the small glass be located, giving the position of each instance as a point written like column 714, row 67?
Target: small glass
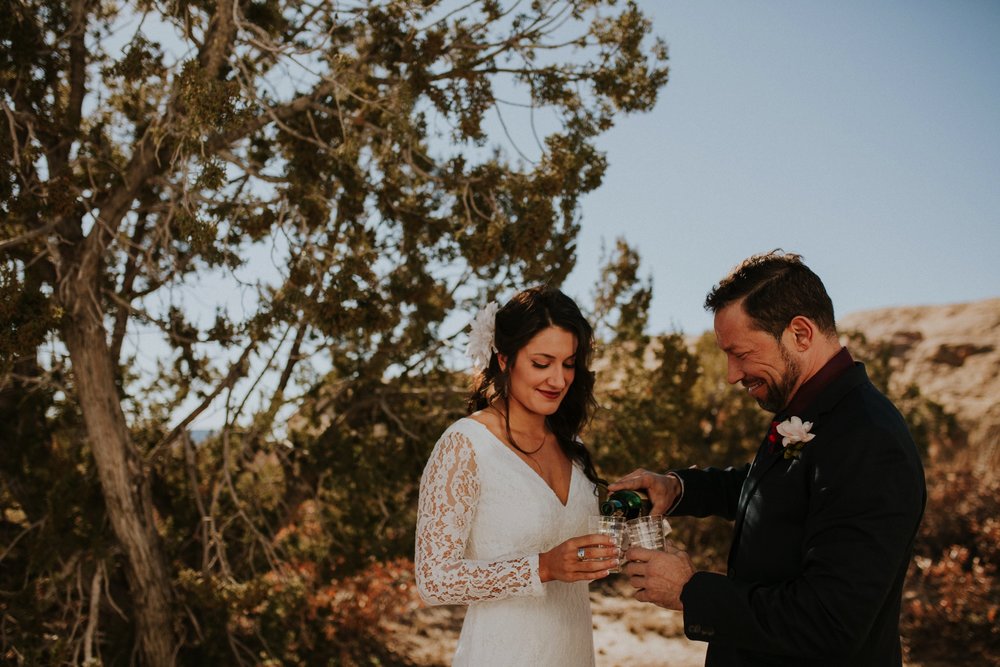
column 615, row 526
column 648, row 532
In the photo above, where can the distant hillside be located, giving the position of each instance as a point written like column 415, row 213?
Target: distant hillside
column 952, row 353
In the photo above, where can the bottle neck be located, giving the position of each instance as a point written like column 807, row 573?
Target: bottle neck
column 612, row 508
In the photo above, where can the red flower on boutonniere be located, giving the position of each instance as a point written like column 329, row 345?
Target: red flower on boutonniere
column 796, row 435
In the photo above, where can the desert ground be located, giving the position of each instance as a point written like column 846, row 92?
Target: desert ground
column 627, row 633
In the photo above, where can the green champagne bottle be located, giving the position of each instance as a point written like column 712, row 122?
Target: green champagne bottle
column 626, row 503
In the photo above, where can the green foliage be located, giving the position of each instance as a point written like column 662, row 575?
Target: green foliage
column 363, row 464
column 268, row 213
column 26, row 315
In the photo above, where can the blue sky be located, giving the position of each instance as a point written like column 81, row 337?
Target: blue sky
column 863, row 135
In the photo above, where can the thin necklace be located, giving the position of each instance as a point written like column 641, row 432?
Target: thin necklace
column 510, row 435
column 545, row 435
column 531, row 454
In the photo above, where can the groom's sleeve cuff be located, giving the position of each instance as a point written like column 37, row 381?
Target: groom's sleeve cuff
column 680, row 495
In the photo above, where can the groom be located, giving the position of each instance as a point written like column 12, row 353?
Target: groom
column 826, row 514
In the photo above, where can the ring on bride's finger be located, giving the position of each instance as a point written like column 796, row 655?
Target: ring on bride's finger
column 579, row 554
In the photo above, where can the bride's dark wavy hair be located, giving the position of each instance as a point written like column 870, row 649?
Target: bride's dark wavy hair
column 517, row 322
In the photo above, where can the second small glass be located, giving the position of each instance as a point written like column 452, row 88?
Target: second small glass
column 614, row 526
column 648, row 532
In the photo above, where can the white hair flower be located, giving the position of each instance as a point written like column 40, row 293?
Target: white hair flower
column 481, row 336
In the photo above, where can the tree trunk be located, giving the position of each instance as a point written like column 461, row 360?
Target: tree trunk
column 123, row 480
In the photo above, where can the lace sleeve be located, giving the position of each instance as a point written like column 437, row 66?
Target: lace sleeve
column 449, row 490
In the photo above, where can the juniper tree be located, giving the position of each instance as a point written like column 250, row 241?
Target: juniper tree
column 204, row 202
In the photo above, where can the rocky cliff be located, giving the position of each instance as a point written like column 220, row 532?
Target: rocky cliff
column 952, row 353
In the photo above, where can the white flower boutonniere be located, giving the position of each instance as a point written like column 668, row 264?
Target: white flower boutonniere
column 481, row 336
column 796, row 435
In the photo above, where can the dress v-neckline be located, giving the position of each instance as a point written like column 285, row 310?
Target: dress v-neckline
column 534, row 473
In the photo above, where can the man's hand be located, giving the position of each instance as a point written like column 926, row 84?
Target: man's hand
column 659, row 576
column 661, row 489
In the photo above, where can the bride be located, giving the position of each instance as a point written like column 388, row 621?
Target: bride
column 507, row 492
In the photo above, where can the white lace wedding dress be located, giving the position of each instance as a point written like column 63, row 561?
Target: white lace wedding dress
column 484, row 516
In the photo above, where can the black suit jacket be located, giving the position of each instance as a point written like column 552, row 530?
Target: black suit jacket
column 821, row 544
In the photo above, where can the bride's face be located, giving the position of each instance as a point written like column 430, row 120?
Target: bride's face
column 543, row 371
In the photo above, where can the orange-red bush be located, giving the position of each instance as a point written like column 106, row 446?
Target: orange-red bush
column 953, row 592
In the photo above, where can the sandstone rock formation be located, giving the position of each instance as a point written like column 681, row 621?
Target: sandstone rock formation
column 952, row 353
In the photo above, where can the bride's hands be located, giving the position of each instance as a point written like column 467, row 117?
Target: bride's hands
column 661, row 489
column 562, row 562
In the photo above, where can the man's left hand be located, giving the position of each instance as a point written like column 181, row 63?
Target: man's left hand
column 659, row 576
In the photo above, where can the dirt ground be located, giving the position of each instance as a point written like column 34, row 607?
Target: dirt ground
column 627, row 633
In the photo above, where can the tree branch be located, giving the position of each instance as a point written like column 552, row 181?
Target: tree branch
column 27, row 236
column 152, row 149
column 236, row 371
column 219, row 38
column 77, row 83
column 93, row 615
column 126, row 294
column 14, row 142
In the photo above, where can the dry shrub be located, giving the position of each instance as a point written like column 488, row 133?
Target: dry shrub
column 293, row 615
column 953, row 591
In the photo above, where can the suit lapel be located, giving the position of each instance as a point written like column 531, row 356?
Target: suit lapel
column 764, row 462
column 765, row 459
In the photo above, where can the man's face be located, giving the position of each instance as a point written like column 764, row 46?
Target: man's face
column 764, row 366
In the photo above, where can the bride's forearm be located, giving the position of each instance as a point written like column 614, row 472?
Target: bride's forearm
column 544, row 572
column 461, row 581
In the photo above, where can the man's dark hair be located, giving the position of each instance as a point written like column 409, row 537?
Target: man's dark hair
column 775, row 287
